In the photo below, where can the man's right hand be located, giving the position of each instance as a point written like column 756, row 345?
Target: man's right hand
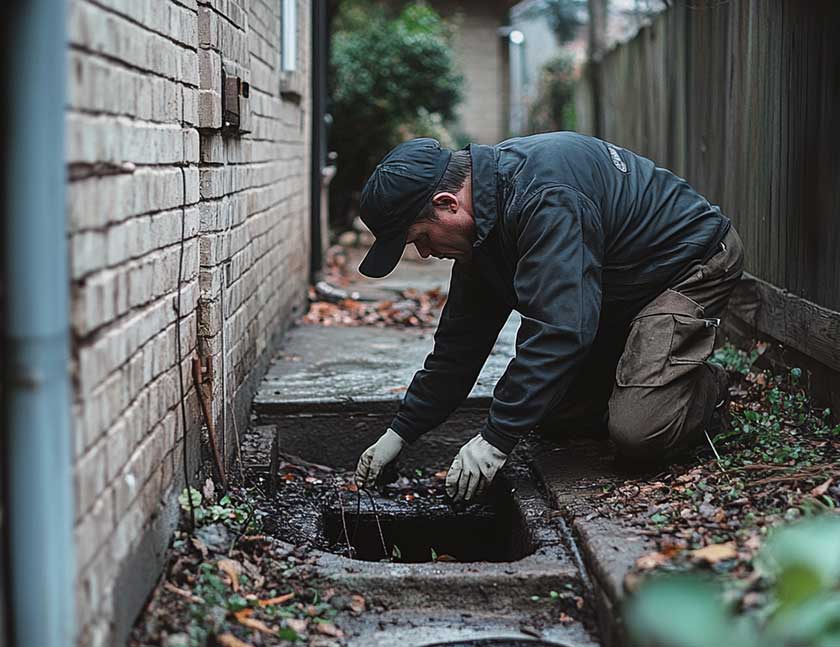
column 377, row 456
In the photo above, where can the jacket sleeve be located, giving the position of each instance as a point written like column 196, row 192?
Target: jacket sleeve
column 558, row 289
column 468, row 328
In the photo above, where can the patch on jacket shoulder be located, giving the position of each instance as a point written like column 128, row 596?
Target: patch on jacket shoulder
column 616, row 158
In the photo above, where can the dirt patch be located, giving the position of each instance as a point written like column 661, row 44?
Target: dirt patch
column 228, row 584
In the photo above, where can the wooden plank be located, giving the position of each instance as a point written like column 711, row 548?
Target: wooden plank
column 796, row 322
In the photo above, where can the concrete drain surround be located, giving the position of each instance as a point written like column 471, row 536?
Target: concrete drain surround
column 510, row 551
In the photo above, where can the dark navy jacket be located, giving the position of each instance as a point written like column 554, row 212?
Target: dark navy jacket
column 571, row 231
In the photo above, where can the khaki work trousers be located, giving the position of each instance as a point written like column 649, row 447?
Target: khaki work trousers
column 653, row 379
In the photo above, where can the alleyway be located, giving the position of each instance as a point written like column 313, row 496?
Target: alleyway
column 561, row 538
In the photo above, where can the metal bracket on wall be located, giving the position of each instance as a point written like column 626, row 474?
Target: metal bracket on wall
column 235, row 94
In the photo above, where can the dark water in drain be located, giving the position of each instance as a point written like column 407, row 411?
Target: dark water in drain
column 487, row 533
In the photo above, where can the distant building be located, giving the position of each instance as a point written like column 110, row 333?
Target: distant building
column 481, row 52
column 536, row 44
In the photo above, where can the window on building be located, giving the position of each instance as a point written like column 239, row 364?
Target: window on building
column 288, row 49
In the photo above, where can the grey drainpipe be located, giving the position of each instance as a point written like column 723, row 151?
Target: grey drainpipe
column 39, row 499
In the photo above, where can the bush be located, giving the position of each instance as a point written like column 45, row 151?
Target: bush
column 554, row 107
column 802, row 562
column 391, row 77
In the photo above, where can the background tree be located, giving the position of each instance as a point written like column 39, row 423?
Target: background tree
column 565, row 17
column 554, row 107
column 392, row 76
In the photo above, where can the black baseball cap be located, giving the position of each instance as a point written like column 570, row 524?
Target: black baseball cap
column 393, row 196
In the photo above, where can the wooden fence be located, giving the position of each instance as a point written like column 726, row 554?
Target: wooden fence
column 742, row 98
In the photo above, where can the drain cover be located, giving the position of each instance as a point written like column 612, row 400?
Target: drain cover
column 497, row 642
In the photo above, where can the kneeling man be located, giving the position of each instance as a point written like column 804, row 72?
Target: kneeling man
column 619, row 269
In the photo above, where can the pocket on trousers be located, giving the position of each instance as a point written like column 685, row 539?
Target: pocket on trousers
column 693, row 340
column 662, row 347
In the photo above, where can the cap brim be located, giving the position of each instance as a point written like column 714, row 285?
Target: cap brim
column 382, row 257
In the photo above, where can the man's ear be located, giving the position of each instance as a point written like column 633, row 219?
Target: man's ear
column 446, row 200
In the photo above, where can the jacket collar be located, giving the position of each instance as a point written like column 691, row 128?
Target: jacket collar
column 485, row 207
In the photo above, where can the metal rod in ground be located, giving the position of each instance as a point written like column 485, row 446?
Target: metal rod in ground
column 274, row 463
column 208, row 419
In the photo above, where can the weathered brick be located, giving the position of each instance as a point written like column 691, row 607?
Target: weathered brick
column 93, row 529
column 143, row 76
column 99, row 30
column 90, row 478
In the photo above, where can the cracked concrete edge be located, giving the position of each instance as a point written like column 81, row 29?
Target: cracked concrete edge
column 609, row 552
column 607, row 548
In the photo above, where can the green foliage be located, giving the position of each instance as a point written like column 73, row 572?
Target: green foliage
column 734, row 359
column 554, row 107
column 240, row 516
column 392, row 77
column 765, row 434
column 803, row 563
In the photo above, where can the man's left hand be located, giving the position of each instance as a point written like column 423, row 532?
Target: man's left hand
column 473, row 469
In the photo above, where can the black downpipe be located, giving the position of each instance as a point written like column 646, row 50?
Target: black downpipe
column 319, row 135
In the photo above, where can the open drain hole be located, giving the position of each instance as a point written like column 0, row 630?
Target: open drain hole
column 481, row 533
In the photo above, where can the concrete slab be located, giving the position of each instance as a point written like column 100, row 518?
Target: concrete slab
column 319, row 365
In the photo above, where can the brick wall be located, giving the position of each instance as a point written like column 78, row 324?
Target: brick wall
column 146, row 160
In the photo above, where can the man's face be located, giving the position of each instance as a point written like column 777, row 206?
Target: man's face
column 451, row 235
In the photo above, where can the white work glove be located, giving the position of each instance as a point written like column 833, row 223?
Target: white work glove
column 377, row 456
column 473, row 469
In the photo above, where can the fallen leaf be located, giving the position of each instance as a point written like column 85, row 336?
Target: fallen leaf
column 823, row 487
column 183, row 593
column 670, row 549
column 651, row 560
column 280, row 599
column 298, row 625
column 329, row 629
column 357, row 604
column 232, row 569
column 351, row 487
column 229, row 640
column 200, row 546
column 244, row 618
column 714, row 553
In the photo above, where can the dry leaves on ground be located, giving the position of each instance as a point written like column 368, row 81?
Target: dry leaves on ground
column 413, row 309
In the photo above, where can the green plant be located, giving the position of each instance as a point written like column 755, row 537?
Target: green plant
column 554, row 107
column 734, row 359
column 802, row 563
column 238, row 515
column 392, row 76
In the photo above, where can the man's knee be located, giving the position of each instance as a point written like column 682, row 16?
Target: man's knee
column 640, row 427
